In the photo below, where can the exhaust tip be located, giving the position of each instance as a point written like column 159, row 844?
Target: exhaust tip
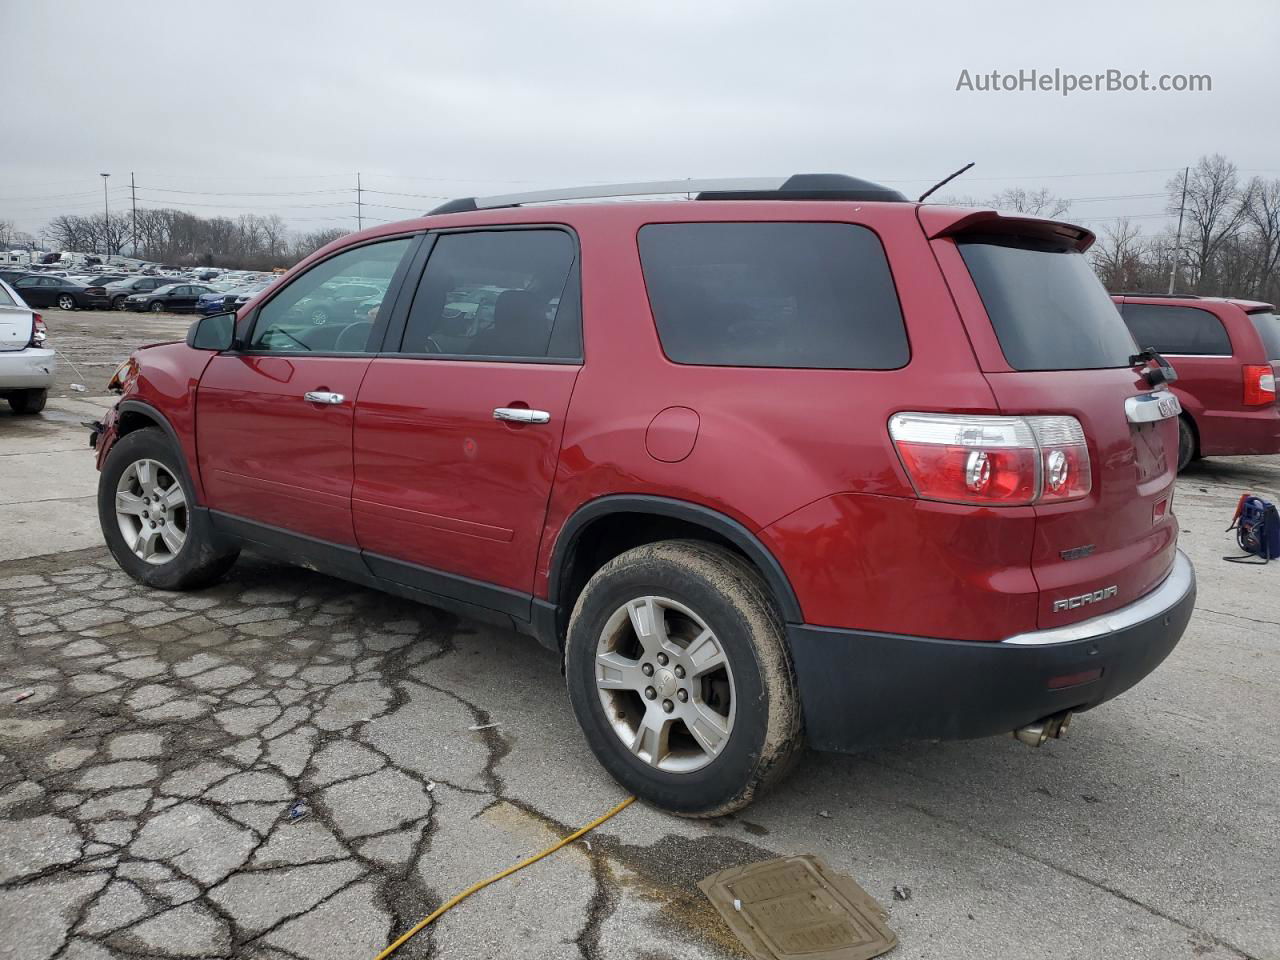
column 1035, row 734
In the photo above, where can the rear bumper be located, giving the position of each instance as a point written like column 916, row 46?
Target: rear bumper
column 31, row 368
column 862, row 689
column 1240, row 432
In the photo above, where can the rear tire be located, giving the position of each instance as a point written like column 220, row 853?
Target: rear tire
column 1186, row 444
column 66, row 302
column 194, row 557
column 744, row 717
column 28, row 401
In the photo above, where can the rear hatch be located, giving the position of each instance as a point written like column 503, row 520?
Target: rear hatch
column 15, row 322
column 1267, row 323
column 1051, row 342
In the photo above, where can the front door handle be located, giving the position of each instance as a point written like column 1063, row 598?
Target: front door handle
column 521, row 415
column 322, row 396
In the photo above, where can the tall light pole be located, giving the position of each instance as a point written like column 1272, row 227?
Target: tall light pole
column 106, row 218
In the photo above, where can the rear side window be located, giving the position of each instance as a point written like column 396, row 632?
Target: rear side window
column 1047, row 306
column 1185, row 331
column 1268, row 326
column 505, row 294
column 5, row 299
column 806, row 295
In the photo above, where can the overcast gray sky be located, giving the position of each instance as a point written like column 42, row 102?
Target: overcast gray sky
column 230, row 107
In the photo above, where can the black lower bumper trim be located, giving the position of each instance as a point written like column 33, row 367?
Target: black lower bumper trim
column 861, row 689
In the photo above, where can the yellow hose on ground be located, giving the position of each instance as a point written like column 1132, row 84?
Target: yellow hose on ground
column 454, row 901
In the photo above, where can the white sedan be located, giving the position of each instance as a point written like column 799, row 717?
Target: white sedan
column 27, row 366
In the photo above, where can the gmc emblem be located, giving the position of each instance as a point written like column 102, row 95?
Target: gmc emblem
column 1074, row 603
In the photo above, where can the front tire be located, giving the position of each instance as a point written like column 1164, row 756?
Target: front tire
column 117, row 302
column 144, row 507
column 66, row 302
column 679, row 674
column 28, row 401
column 157, row 307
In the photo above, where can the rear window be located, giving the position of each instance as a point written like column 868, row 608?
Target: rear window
column 1048, row 308
column 800, row 295
column 1268, row 326
column 1188, row 331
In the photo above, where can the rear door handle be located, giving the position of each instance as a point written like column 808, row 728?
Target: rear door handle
column 521, row 415
column 322, row 396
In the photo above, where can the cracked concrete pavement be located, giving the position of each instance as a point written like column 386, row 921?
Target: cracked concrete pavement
column 285, row 766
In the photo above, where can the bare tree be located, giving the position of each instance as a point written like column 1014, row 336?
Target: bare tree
column 1037, row 203
column 1262, row 215
column 1215, row 213
column 1119, row 257
column 274, row 235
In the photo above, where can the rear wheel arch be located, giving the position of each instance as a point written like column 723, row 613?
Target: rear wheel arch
column 605, row 528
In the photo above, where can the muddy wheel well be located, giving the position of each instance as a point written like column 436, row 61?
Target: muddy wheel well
column 607, row 536
column 131, row 420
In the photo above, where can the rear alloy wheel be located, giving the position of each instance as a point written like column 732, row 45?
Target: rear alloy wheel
column 157, row 306
column 1186, row 444
column 319, row 316
column 28, row 401
column 678, row 672
column 148, row 519
column 66, row 302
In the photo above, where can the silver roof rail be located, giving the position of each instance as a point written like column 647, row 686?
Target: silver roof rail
column 804, row 186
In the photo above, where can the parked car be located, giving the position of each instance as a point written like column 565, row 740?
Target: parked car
column 173, row 298
column 122, row 290
column 101, row 280
column 65, row 293
column 9, row 275
column 828, row 454
column 1227, row 354
column 227, row 300
column 27, row 366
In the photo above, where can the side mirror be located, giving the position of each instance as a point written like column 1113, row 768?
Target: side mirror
column 215, row 332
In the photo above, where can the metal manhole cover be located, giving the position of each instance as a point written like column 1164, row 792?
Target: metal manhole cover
column 799, row 907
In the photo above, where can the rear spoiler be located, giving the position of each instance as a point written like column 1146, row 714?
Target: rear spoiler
column 939, row 221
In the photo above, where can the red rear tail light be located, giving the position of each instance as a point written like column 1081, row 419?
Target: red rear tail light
column 39, row 333
column 998, row 461
column 1259, row 384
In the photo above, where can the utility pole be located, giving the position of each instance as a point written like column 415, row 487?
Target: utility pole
column 106, row 218
column 359, row 203
column 1177, row 243
column 133, row 196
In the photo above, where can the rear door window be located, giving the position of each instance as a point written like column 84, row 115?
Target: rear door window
column 1268, row 326
column 800, row 295
column 500, row 294
column 1181, row 331
column 1047, row 306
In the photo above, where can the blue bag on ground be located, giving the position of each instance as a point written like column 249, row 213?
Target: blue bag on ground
column 1257, row 527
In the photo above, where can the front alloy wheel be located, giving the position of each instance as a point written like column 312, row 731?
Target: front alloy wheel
column 151, row 511
column 665, row 684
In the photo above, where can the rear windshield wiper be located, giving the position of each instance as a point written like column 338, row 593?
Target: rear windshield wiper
column 1155, row 368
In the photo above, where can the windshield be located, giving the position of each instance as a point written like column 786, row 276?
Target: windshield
column 1268, row 326
column 1048, row 308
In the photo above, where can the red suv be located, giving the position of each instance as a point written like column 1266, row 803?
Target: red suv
column 1227, row 353
column 799, row 460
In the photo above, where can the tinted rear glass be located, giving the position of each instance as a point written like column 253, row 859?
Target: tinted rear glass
column 1268, row 327
column 1048, row 308
column 1189, row 331
column 808, row 295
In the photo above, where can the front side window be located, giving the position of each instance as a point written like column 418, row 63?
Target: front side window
column 332, row 307
column 1182, row 331
column 803, row 295
column 1046, row 305
column 505, row 294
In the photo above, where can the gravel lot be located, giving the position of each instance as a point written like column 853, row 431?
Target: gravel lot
column 153, row 746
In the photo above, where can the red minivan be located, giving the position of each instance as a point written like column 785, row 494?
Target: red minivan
column 1226, row 353
column 797, row 461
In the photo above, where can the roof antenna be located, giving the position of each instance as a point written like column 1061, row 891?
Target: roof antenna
column 943, row 183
